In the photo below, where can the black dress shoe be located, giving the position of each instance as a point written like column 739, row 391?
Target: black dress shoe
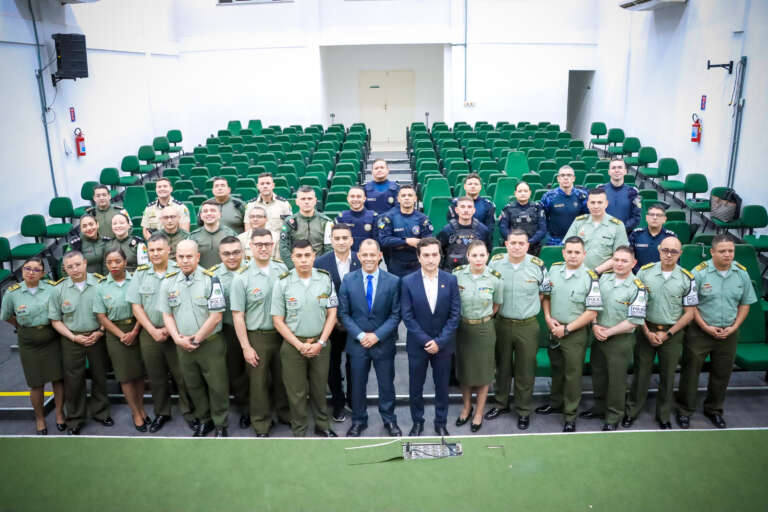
column 221, row 432
column 417, row 429
column 61, row 427
column 193, row 424
column 325, row 433
column 143, row 427
column 75, row 431
column 664, row 425
column 627, row 422
column 683, row 421
column 158, row 423
column 523, row 422
column 147, row 419
column 570, row 426
column 338, row 415
column 245, row 421
column 589, row 414
column 474, row 427
column 462, row 421
column 107, row 422
column 609, row 427
column 43, row 432
column 356, row 429
column 716, row 419
column 441, row 430
column 203, row 429
column 393, row 430
column 494, row 413
column 548, row 409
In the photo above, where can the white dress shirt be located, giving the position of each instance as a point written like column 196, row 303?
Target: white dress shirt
column 343, row 266
column 430, row 289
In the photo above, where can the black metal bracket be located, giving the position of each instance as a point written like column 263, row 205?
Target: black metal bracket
column 728, row 66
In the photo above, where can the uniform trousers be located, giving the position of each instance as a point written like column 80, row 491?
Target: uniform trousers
column 205, row 373
column 267, row 391
column 160, row 359
column 610, row 361
column 74, row 357
column 517, row 342
column 305, row 376
column 567, row 362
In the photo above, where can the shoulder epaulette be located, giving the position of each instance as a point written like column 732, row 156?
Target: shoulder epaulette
column 593, row 274
column 459, row 268
column 99, row 277
column 496, row 273
column 700, row 266
column 637, row 230
column 742, row 267
column 213, row 268
column 558, row 263
column 90, row 210
column 106, row 239
column 537, row 261
column 581, row 217
column 153, row 203
column 277, row 198
column 237, row 202
column 209, row 273
column 498, row 257
column 171, row 274
column 608, row 272
column 242, row 269
column 639, row 284
column 14, row 287
column 195, row 231
column 54, row 283
column 687, row 272
column 322, row 270
column 284, row 275
column 142, row 267
column 277, row 260
column 615, row 220
column 647, row 265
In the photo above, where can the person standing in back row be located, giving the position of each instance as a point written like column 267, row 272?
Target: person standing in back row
column 400, row 230
column 380, row 193
column 563, row 204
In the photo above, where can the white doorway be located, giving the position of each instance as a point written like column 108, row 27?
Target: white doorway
column 386, row 106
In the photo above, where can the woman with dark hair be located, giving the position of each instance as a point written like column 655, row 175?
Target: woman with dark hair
column 25, row 306
column 521, row 213
column 116, row 316
column 133, row 247
column 90, row 244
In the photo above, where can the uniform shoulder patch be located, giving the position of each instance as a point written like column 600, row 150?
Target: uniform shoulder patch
column 214, row 267
column 276, row 260
column 647, row 265
column 14, row 287
column 593, row 274
column 498, row 257
column 171, row 274
column 537, row 261
column 742, row 267
column 496, row 273
column 615, row 220
column 687, row 272
column 639, row 283
column 558, row 263
column 142, row 267
column 700, row 266
column 99, row 277
column 581, row 217
column 54, row 283
column 323, row 271
column 209, row 273
column 284, row 275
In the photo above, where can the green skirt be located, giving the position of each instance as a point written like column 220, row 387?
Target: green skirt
column 126, row 361
column 475, row 353
column 40, row 353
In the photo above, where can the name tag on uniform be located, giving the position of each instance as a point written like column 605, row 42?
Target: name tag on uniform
column 638, row 306
column 217, row 300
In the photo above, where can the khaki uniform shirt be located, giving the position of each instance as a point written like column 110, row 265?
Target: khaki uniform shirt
column 522, row 286
column 720, row 297
column 277, row 211
column 570, row 297
column 478, row 293
column 30, row 309
column 667, row 297
column 191, row 299
column 304, row 307
column 251, row 292
column 73, row 307
column 626, row 301
column 151, row 221
column 144, row 289
column 599, row 241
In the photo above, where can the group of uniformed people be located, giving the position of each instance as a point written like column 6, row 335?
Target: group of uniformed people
column 219, row 315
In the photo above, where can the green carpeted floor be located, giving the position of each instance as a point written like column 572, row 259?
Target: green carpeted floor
column 644, row 471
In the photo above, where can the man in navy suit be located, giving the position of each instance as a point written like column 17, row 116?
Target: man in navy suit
column 338, row 263
column 431, row 310
column 370, row 310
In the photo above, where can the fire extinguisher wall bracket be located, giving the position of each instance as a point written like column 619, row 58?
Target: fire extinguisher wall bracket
column 696, row 129
column 79, row 142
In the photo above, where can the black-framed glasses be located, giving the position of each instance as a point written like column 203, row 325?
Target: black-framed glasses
column 671, row 252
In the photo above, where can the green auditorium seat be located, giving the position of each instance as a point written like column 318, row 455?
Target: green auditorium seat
column 163, row 145
column 516, row 165
column 505, row 188
column 131, row 165
column 5, row 256
column 615, row 139
column 110, row 176
column 550, row 254
column 175, row 138
column 32, row 226
column 86, row 194
column 135, row 201
column 60, row 208
column 597, row 130
column 645, row 157
column 681, row 228
column 147, row 155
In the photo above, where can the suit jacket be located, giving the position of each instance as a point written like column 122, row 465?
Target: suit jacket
column 383, row 318
column 424, row 325
column 328, row 262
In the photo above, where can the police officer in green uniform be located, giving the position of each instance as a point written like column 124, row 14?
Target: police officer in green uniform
column 158, row 351
column 208, row 237
column 602, row 233
column 115, row 315
column 481, row 290
column 571, row 304
column 725, row 295
column 672, row 299
column 70, row 310
column 25, row 306
column 624, row 304
column 517, row 328
column 304, row 312
column 105, row 210
column 231, row 253
column 192, row 302
column 132, row 246
column 250, row 301
column 305, row 225
column 90, row 244
column 169, row 220
column 232, row 209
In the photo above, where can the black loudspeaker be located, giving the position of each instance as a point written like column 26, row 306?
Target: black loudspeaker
column 71, row 57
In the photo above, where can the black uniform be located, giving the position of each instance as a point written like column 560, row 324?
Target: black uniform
column 455, row 237
column 529, row 217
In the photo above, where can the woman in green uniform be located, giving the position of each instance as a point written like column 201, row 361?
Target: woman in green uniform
column 481, row 295
column 25, row 306
column 90, row 244
column 116, row 316
column 133, row 246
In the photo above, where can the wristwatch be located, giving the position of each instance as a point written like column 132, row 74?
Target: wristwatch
column 669, row 333
column 322, row 342
column 566, row 332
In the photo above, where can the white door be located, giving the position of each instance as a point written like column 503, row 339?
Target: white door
column 386, row 106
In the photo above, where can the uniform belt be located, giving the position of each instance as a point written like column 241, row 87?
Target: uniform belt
column 658, row 327
column 35, row 327
column 125, row 321
column 515, row 321
column 476, row 321
column 304, row 339
column 265, row 331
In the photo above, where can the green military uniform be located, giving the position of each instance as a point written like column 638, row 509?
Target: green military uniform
column 39, row 346
column 476, row 336
column 74, row 308
column 238, row 379
column 232, row 211
column 599, row 241
column 610, row 359
column 517, row 329
column 104, row 218
column 174, row 240
column 92, row 250
column 159, row 357
column 316, row 229
column 126, row 360
column 134, row 248
column 572, row 293
column 304, row 308
column 277, row 210
column 719, row 300
column 251, row 293
column 191, row 299
column 208, row 243
column 150, row 220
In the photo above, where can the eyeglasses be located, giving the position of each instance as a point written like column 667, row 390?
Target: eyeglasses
column 231, row 254
column 32, row 270
column 262, row 245
column 671, row 252
column 655, row 215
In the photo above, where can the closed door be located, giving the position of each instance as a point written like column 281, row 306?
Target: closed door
column 386, row 104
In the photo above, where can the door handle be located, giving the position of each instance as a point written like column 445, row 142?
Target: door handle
column 385, row 107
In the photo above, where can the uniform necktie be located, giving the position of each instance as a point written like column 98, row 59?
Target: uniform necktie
column 369, row 292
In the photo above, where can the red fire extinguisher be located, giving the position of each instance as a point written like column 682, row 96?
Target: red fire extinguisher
column 79, row 142
column 696, row 129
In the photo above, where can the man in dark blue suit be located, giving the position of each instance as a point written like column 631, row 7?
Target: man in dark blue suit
column 338, row 263
column 431, row 310
column 369, row 302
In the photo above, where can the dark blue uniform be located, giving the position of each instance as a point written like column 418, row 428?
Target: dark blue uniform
column 363, row 224
column 646, row 245
column 624, row 203
column 394, row 228
column 381, row 197
column 529, row 217
column 485, row 211
column 454, row 239
column 560, row 210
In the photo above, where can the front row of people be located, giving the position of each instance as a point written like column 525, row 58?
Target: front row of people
column 262, row 333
